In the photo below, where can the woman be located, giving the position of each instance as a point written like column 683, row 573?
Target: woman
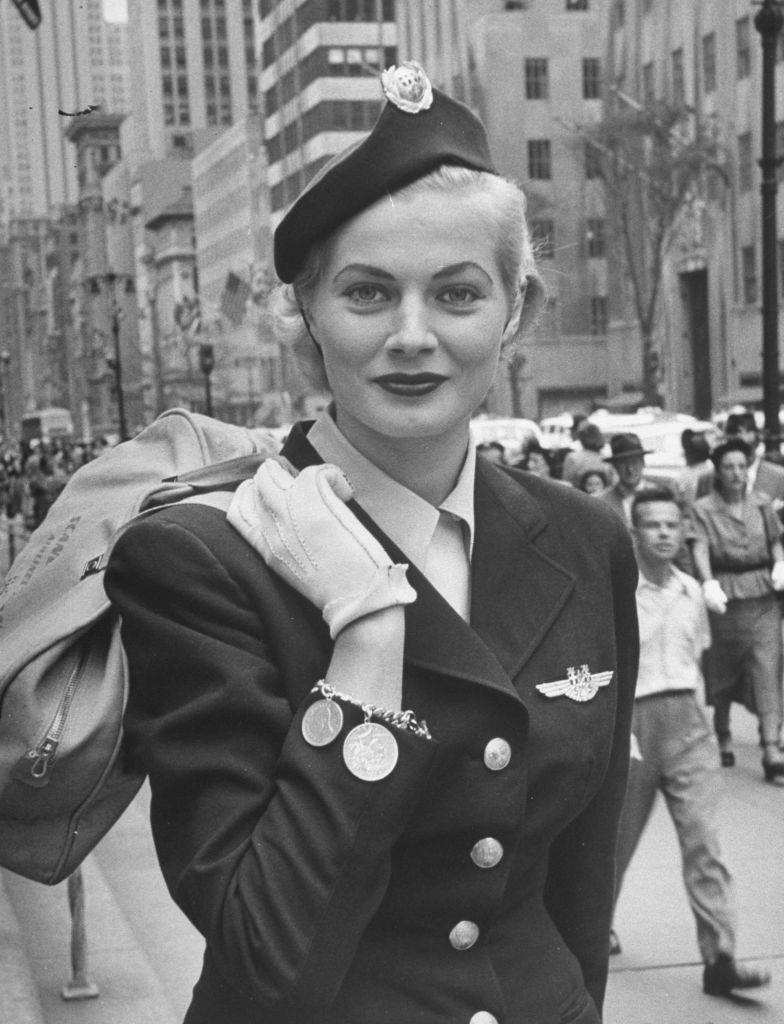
column 739, row 558
column 593, row 482
column 535, row 460
column 388, row 756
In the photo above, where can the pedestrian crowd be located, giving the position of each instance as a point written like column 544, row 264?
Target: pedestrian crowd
column 34, row 472
column 711, row 561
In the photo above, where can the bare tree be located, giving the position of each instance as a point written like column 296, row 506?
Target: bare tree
column 653, row 161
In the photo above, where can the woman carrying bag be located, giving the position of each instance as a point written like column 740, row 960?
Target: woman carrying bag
column 384, row 703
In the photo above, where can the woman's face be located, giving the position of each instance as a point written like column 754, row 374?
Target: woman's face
column 537, row 464
column 733, row 473
column 409, row 313
column 594, row 483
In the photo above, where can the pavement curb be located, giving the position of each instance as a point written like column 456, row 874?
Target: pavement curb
column 20, row 1003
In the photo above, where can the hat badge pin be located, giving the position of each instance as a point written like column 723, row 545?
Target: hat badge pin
column 407, row 87
column 580, row 684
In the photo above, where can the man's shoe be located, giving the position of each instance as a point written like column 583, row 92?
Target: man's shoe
column 724, row 975
column 615, row 944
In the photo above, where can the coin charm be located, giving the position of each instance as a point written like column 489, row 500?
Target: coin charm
column 322, row 723
column 370, row 751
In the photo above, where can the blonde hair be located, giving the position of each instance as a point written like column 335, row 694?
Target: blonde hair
column 504, row 205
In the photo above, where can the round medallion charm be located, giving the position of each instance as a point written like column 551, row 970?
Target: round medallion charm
column 322, row 723
column 370, row 751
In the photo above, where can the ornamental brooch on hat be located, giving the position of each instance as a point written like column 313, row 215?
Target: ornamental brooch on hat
column 408, row 87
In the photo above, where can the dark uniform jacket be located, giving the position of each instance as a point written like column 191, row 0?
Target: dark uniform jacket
column 475, row 882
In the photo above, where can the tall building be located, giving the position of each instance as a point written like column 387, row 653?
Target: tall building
column 320, row 62
column 534, row 70
column 708, row 56
column 251, row 382
column 193, row 72
column 74, row 58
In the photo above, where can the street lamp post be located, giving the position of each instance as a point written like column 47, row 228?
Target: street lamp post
column 768, row 22
column 207, row 365
column 5, row 362
column 116, row 361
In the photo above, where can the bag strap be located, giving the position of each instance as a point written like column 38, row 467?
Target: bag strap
column 196, row 485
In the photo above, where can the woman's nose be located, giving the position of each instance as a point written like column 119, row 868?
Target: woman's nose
column 413, row 331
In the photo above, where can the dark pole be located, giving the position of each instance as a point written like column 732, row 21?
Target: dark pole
column 768, row 21
column 122, row 425
column 207, row 365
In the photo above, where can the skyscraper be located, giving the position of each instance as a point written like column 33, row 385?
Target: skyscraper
column 193, row 68
column 320, row 63
column 73, row 59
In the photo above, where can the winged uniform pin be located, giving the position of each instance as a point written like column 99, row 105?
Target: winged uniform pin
column 581, row 684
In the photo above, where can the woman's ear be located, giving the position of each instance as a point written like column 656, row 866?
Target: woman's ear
column 513, row 323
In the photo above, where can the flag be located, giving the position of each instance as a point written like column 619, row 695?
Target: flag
column 236, row 292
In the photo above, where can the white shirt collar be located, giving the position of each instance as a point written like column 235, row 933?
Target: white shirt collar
column 408, row 520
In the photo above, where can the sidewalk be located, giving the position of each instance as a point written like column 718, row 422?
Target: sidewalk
column 657, row 979
column 145, row 956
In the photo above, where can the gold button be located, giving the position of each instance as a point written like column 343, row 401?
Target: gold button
column 487, row 853
column 498, row 754
column 464, row 935
column 483, row 1017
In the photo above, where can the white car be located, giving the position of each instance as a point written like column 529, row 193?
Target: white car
column 514, row 434
column 660, row 432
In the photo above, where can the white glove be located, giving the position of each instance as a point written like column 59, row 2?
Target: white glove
column 301, row 527
column 777, row 575
column 715, row 598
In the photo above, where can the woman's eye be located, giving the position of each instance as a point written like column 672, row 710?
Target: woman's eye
column 365, row 294
column 459, row 295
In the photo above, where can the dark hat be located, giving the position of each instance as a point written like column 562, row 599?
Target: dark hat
column 418, row 130
column 626, row 446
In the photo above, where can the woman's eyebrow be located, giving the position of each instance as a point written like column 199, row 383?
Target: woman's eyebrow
column 459, row 268
column 365, row 268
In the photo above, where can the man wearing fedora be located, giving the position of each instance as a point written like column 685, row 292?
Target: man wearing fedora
column 628, row 459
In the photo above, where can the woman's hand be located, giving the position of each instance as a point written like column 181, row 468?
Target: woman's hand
column 301, row 527
column 777, row 575
column 715, row 598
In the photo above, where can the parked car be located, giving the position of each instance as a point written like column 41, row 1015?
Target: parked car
column 659, row 431
column 514, row 434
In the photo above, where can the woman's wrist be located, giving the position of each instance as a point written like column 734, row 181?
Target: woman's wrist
column 367, row 659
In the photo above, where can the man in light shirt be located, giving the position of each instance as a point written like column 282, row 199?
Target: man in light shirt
column 673, row 748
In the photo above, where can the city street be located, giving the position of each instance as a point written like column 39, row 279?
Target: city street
column 144, row 955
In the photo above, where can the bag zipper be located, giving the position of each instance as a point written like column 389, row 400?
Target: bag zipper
column 42, row 755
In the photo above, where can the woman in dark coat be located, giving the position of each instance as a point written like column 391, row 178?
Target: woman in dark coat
column 388, row 747
column 739, row 559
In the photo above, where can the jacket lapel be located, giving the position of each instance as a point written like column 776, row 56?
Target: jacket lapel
column 507, row 561
column 502, row 634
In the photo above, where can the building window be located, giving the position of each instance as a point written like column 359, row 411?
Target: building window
column 576, row 5
column 743, row 47
column 748, row 257
column 781, row 267
column 745, row 163
column 678, row 82
column 592, row 78
column 709, row 62
column 536, row 87
column 648, row 84
column 596, row 243
column 539, row 165
column 646, row 6
column 780, row 150
column 593, row 162
column 543, row 238
column 620, row 13
column 599, row 314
